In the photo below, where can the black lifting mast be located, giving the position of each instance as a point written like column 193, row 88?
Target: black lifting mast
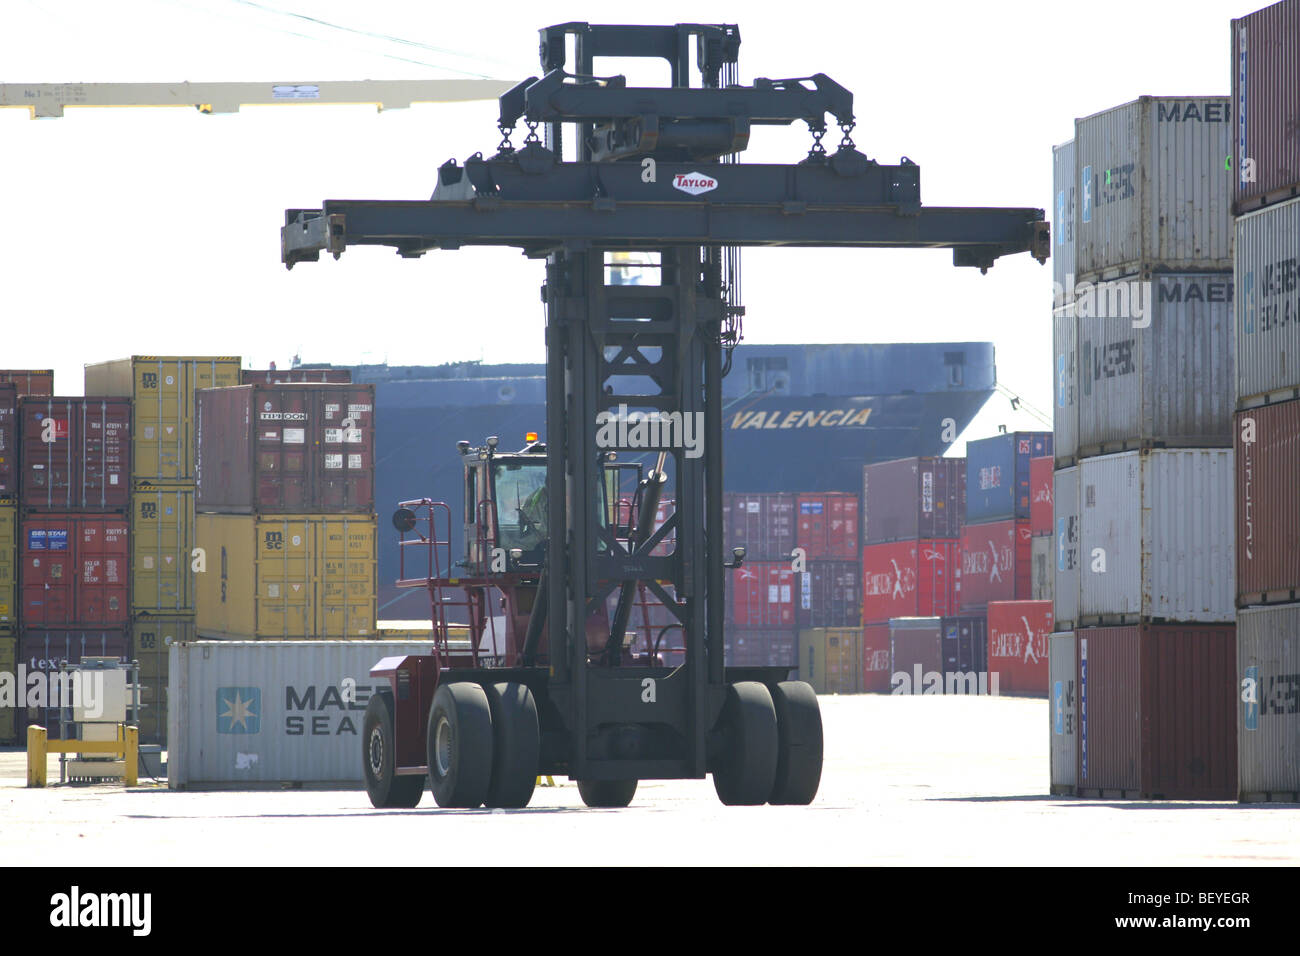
column 655, row 173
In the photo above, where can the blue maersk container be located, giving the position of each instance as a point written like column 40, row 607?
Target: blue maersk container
column 997, row 475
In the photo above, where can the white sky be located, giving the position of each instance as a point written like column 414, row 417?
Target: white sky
column 156, row 231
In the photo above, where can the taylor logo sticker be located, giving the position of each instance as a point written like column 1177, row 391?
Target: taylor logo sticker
column 694, row 183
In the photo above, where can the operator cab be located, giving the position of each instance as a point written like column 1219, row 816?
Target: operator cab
column 505, row 506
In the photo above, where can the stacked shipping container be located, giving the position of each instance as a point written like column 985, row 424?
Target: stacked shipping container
column 763, row 594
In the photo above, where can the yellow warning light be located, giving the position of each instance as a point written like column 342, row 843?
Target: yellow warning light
column 530, row 436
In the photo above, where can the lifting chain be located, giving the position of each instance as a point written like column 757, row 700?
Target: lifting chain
column 817, row 148
column 505, row 146
column 532, row 134
column 846, row 142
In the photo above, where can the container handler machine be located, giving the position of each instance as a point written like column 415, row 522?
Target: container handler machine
column 631, row 370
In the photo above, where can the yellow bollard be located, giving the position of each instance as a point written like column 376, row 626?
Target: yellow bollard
column 132, row 755
column 36, row 755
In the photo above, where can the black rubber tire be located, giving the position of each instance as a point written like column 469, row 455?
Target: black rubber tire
column 607, row 793
column 460, row 745
column 386, row 790
column 516, row 746
column 748, row 769
column 799, row 737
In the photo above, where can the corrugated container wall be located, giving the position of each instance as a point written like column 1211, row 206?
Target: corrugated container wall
column 830, row 595
column 1153, row 190
column 965, row 644
column 281, row 701
column 8, row 566
column 74, row 570
column 1066, row 558
column 764, row 525
column 286, row 449
column 830, row 658
column 1018, row 632
column 9, row 474
column 1157, row 712
column 162, row 541
column 997, row 475
column 1268, row 725
column 1266, row 94
column 8, row 665
column 758, row 647
column 827, row 525
column 910, row 579
column 996, row 563
column 1155, row 363
column 763, row 595
column 1043, row 574
column 1064, row 717
column 151, row 641
column 76, row 454
column 275, row 376
column 1040, row 495
column 1268, row 504
column 1064, row 187
column 162, row 389
column 1267, row 280
column 29, row 381
column 912, row 498
column 43, row 650
column 875, row 659
column 1156, row 539
column 916, row 655
column 1065, row 364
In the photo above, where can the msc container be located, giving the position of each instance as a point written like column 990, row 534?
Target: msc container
column 275, row 376
column 1040, row 495
column 1042, row 553
column 1267, row 305
column 912, row 498
column 286, row 449
column 1268, row 504
column 996, row 563
column 288, row 576
column 965, row 645
column 763, row 524
column 830, row 658
column 29, row 381
column 1156, row 540
column 1157, row 712
column 762, row 595
column 8, row 714
column 1066, row 559
column 1266, row 93
column 162, row 542
column 8, row 567
column 1018, row 633
column 1065, row 368
column 1155, row 363
column 997, row 475
column 875, row 659
column 76, row 454
column 916, row 655
column 830, row 594
column 757, row 647
column 73, row 570
column 44, row 650
column 9, row 474
column 1064, row 186
column 827, row 525
column 161, row 389
column 1063, row 731
column 1268, row 729
column 1153, row 190
column 151, row 641
column 910, row 579
column 249, row 712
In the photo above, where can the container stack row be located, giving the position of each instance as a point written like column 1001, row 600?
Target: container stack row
column 1266, row 430
column 1141, row 664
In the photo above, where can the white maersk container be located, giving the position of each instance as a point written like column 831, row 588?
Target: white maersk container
column 1065, row 543
column 1155, row 192
column 1155, row 363
column 1064, row 716
column 1043, row 551
column 1156, row 541
column 261, row 712
column 1268, row 728
column 1065, row 203
column 1065, row 369
column 1267, row 278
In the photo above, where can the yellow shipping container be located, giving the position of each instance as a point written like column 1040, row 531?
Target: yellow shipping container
column 8, row 568
column 162, row 539
column 286, row 576
column 151, row 640
column 162, row 392
column 830, row 658
column 418, row 631
column 8, row 715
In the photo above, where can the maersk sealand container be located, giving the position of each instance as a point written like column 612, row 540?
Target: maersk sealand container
column 1267, row 279
column 997, row 475
column 1064, row 193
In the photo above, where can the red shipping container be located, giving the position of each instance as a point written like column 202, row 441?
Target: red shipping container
column 43, row 650
column 996, row 563
column 9, row 475
column 29, row 381
column 875, row 659
column 763, row 595
column 1266, row 101
column 76, row 454
column 1018, row 632
column 1040, row 495
column 912, row 498
column 827, row 525
column 1268, row 504
column 761, row 524
column 1157, row 711
column 286, row 449
column 760, row 648
column 829, row 594
column 276, row 376
column 910, row 579
column 73, row 570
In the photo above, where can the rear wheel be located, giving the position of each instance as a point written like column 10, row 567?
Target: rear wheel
column 799, row 736
column 460, row 745
column 379, row 756
column 747, row 771
column 607, row 793
column 516, row 745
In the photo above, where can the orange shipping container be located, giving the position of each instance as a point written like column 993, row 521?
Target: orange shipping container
column 1018, row 632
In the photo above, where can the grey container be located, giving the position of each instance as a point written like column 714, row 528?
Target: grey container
column 1157, row 537
column 1154, row 190
column 1268, row 728
column 1043, row 581
column 1065, row 369
column 1155, row 363
column 1267, row 326
column 1064, row 203
column 1065, row 544
column 266, row 712
column 1063, row 728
